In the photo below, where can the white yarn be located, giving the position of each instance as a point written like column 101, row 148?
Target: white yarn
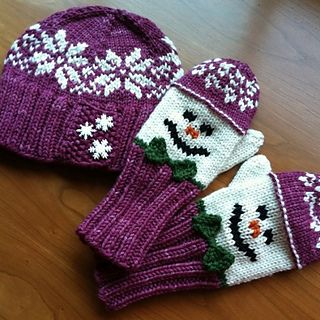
column 220, row 144
column 71, row 68
column 251, row 188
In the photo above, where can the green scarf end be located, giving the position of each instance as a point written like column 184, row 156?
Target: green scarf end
column 217, row 259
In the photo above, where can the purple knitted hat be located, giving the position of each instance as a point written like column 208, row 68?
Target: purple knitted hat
column 299, row 197
column 77, row 86
column 228, row 86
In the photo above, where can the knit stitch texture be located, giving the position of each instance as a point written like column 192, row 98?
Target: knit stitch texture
column 77, row 86
column 255, row 229
column 180, row 149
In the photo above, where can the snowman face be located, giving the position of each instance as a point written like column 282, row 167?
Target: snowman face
column 191, row 131
column 253, row 231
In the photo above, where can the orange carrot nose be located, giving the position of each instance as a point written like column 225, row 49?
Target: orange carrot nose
column 194, row 133
column 255, row 227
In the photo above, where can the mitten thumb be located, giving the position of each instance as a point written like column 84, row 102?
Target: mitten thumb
column 246, row 148
column 252, row 169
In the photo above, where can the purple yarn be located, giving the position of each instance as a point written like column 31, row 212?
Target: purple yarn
column 71, row 69
column 122, row 229
column 174, row 262
column 299, row 194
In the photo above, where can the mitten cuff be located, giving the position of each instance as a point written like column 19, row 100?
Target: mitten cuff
column 298, row 194
column 149, row 197
column 178, row 228
column 159, row 280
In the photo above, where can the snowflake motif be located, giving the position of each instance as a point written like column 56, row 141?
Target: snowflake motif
column 312, row 197
column 100, row 149
column 239, row 90
column 308, row 179
column 104, row 123
column 41, row 53
column 86, row 130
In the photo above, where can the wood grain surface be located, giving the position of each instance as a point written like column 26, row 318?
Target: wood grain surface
column 46, row 273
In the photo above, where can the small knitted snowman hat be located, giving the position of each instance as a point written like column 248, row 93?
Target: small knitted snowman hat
column 299, row 197
column 185, row 143
column 228, row 86
column 77, row 86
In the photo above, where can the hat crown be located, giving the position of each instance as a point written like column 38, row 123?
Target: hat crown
column 232, row 79
column 99, row 51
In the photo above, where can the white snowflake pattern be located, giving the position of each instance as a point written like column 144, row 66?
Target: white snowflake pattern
column 40, row 53
column 312, row 197
column 309, row 179
column 100, row 149
column 104, row 123
column 86, row 130
column 217, row 70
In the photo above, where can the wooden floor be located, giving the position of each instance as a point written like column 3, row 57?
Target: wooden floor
column 46, row 273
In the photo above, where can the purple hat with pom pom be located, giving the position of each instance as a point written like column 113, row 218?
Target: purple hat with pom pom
column 77, row 86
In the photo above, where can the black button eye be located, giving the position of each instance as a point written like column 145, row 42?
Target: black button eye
column 207, row 129
column 189, row 115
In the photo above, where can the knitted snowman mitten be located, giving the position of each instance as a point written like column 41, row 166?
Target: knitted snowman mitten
column 179, row 150
column 107, row 272
column 262, row 223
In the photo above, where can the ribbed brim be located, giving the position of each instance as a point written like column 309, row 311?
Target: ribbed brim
column 41, row 123
column 33, row 119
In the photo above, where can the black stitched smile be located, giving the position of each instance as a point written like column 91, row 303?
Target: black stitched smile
column 239, row 241
column 172, row 128
column 242, row 246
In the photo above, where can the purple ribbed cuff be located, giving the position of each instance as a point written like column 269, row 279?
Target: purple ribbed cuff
column 178, row 229
column 42, row 124
column 117, row 194
column 177, row 242
column 155, row 281
column 124, row 231
column 172, row 264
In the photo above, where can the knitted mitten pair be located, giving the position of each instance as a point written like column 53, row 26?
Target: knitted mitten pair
column 262, row 223
column 198, row 130
column 77, row 86
column 81, row 85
